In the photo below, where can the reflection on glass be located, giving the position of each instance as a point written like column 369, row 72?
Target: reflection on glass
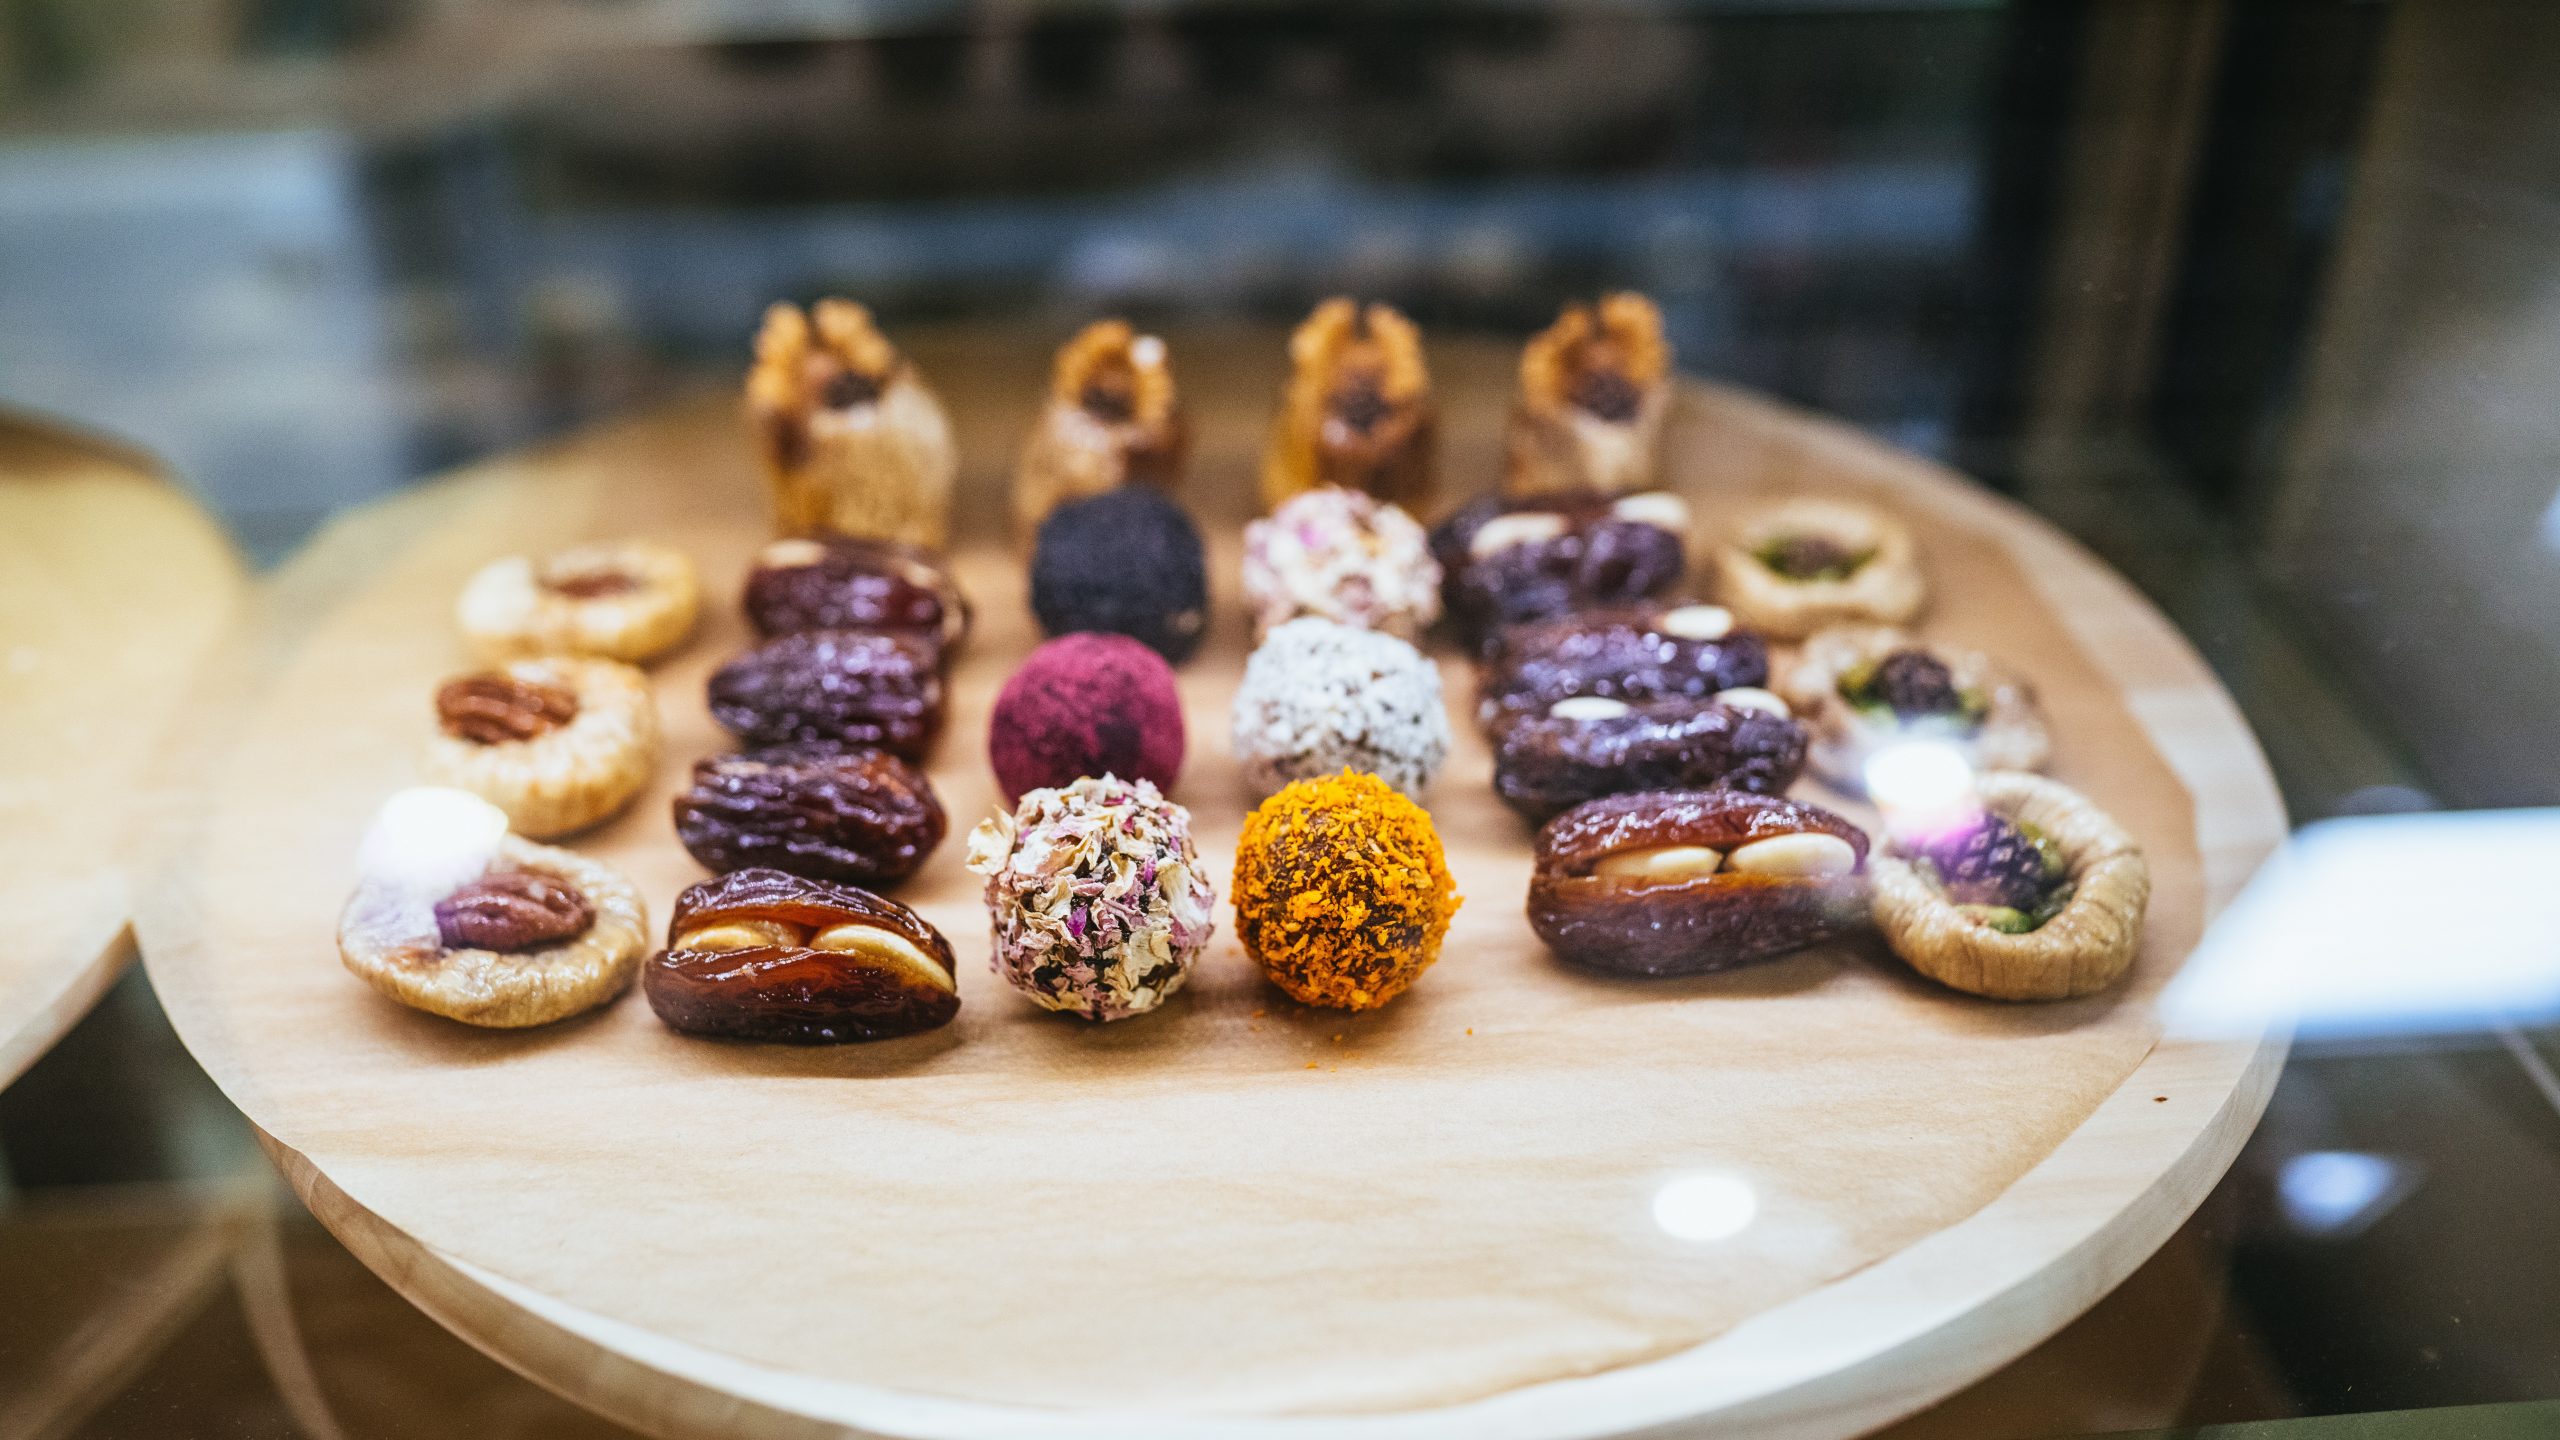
column 2335, row 1194
column 1922, row 787
column 1709, row 1205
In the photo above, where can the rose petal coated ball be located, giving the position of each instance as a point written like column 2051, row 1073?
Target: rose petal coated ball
column 1342, row 895
column 1087, row 705
column 1127, row 562
column 1319, row 697
column 1341, row 555
column 1099, row 902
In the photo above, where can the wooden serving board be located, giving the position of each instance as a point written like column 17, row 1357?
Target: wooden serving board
column 1236, row 1215
column 112, row 586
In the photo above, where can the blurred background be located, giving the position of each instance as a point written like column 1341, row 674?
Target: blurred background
column 2260, row 298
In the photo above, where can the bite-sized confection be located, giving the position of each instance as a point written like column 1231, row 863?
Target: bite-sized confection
column 1796, row 566
column 1099, row 902
column 1627, row 652
column 852, row 687
column 852, row 440
column 1589, row 746
column 1319, row 697
column 1859, row 688
column 1357, row 411
column 1087, row 705
column 1126, row 563
column 864, row 817
column 1113, row 419
column 2037, row 894
column 627, row 600
column 842, row 582
column 1342, row 894
column 1685, row 882
column 1507, row 562
column 456, row 917
column 1594, row 387
column 764, row 955
column 557, row 743
column 1340, row 555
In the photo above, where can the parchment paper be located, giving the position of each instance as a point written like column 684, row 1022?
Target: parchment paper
column 1235, row 1205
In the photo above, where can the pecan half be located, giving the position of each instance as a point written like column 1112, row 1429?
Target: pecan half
column 513, row 910
column 493, row 709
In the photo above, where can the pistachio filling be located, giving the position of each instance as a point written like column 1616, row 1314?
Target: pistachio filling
column 2004, row 874
column 1806, row 558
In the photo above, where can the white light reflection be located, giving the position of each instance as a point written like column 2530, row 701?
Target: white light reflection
column 2386, row 924
column 2335, row 1194
column 1708, row 1205
column 1921, row 787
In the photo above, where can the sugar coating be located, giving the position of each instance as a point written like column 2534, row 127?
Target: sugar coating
column 1086, row 704
column 1319, row 697
column 1345, row 556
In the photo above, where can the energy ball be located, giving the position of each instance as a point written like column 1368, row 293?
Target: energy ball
column 1319, row 697
column 1099, row 903
column 1126, row 562
column 1342, row 895
column 1087, row 705
column 1341, row 555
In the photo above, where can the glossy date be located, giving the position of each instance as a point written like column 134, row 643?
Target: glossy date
column 848, row 583
column 1582, row 748
column 763, row 955
column 863, row 816
column 1636, row 652
column 855, row 687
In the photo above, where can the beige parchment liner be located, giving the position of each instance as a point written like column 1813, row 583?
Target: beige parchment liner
column 1234, row 1206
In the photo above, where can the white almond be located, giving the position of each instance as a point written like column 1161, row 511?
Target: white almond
column 1697, row 622
column 1657, row 508
column 1588, row 707
column 1811, row 853
column 1504, row 531
column 738, row 935
column 878, row 944
column 1660, row 862
column 791, row 554
column 1752, row 697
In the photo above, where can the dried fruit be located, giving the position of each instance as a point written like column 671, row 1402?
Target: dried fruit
column 1913, row 683
column 1995, row 861
column 864, row 816
column 853, row 440
column 1357, row 411
column 1594, row 389
column 509, row 911
column 861, row 688
column 1686, row 882
column 629, row 600
column 1589, row 746
column 1647, row 652
column 1509, row 562
column 1113, row 418
column 1798, row 565
column 494, row 708
column 763, row 955
column 843, row 582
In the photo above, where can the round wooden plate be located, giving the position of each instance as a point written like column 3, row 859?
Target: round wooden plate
column 1236, row 1216
column 112, row 586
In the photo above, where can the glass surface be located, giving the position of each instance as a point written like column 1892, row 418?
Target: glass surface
column 2261, row 301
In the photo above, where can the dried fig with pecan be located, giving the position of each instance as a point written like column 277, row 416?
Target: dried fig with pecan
column 762, row 955
column 1508, row 562
column 1634, row 652
column 865, row 816
column 1685, row 882
column 861, row 688
column 558, row 743
column 1588, row 746
column 841, row 582
column 628, row 600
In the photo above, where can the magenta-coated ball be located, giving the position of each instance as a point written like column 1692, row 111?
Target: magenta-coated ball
column 1087, row 704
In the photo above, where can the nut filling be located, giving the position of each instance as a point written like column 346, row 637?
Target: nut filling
column 495, row 709
column 762, row 955
column 1631, row 653
column 1687, row 882
column 512, row 911
column 1511, row 562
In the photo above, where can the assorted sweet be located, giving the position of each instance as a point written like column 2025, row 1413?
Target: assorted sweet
column 627, row 600
column 1126, row 563
column 1799, row 565
column 842, row 582
column 1342, row 894
column 2034, row 893
column 864, row 817
column 1099, row 902
column 852, row 687
column 765, row 955
column 1319, row 697
column 852, row 440
column 1594, row 388
column 454, row 916
column 1357, row 411
column 1859, row 688
column 1628, row 652
column 1085, row 705
column 1341, row 555
column 556, row 743
column 1682, row 882
column 1507, row 562
column 1113, row 419
column 1589, row 746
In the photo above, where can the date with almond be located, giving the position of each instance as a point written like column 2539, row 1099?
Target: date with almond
column 1587, row 746
column 1685, row 882
column 764, row 955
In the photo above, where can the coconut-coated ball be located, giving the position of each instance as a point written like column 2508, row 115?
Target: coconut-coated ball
column 1319, row 697
column 1127, row 562
column 1082, row 705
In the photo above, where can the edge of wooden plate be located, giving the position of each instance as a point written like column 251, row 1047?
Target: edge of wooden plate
column 1855, row 1354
